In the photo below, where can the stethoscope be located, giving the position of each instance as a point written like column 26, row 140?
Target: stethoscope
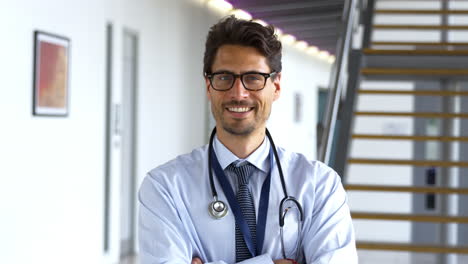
column 219, row 209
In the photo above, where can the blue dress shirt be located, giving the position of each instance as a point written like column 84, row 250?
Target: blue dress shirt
column 175, row 226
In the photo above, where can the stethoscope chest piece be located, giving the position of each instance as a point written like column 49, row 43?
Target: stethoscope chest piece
column 217, row 209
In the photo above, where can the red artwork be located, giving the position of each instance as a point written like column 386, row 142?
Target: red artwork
column 51, row 75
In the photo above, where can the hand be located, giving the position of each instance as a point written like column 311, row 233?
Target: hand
column 197, row 260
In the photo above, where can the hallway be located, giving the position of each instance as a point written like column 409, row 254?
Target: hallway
column 96, row 93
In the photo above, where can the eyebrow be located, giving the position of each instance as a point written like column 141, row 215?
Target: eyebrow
column 228, row 71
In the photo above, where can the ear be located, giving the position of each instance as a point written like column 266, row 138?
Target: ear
column 277, row 84
column 208, row 92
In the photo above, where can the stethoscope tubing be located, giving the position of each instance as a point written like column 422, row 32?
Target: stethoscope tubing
column 285, row 199
column 210, row 169
column 299, row 207
column 275, row 153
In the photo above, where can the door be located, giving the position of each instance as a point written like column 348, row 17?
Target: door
column 129, row 132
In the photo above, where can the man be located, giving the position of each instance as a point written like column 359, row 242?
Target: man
column 242, row 66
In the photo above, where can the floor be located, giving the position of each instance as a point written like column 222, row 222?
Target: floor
column 129, row 260
column 390, row 257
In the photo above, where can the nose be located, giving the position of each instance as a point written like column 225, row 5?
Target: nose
column 238, row 90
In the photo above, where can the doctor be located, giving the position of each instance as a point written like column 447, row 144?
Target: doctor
column 242, row 199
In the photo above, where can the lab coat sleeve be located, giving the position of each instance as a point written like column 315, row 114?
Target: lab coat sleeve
column 329, row 236
column 162, row 238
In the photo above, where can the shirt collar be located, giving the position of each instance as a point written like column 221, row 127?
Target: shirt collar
column 259, row 158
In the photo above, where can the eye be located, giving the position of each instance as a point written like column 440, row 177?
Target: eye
column 253, row 77
column 223, row 77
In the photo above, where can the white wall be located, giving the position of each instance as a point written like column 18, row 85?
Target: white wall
column 172, row 101
column 301, row 74
column 52, row 169
column 51, row 183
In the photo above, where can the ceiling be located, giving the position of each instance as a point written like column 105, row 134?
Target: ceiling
column 315, row 21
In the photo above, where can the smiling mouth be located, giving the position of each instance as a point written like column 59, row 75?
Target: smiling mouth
column 239, row 109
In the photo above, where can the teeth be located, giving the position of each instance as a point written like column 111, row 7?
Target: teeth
column 239, row 109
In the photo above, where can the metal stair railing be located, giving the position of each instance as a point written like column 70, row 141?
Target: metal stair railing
column 338, row 77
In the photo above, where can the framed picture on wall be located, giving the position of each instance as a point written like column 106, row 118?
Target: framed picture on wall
column 51, row 74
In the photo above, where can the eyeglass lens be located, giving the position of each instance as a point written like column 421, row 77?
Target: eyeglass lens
column 251, row 81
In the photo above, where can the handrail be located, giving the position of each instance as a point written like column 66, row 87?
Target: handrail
column 336, row 81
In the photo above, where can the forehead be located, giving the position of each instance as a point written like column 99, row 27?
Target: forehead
column 237, row 58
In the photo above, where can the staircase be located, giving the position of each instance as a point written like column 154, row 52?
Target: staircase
column 424, row 82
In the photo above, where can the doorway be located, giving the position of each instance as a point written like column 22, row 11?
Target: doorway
column 129, row 141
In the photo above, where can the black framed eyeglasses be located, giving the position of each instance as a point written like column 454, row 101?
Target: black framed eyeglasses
column 252, row 81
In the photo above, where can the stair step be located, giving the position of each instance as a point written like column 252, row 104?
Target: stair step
column 413, row 114
column 413, row 73
column 415, row 92
column 409, row 217
column 394, row 188
column 400, row 137
column 421, row 12
column 421, row 73
column 422, row 27
column 422, row 163
column 403, row 43
column 411, row 247
column 416, row 52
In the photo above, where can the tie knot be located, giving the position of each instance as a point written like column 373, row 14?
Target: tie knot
column 243, row 172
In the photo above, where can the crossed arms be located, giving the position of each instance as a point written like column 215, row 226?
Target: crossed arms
column 166, row 232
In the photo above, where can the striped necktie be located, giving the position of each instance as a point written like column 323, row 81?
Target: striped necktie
column 244, row 198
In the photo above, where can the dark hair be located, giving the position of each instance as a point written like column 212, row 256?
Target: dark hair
column 231, row 30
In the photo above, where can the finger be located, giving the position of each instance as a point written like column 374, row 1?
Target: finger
column 196, row 260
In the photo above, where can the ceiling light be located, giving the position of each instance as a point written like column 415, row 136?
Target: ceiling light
column 312, row 50
column 220, row 6
column 288, row 39
column 224, row 7
column 241, row 14
column 261, row 22
column 302, row 45
column 278, row 32
column 323, row 55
